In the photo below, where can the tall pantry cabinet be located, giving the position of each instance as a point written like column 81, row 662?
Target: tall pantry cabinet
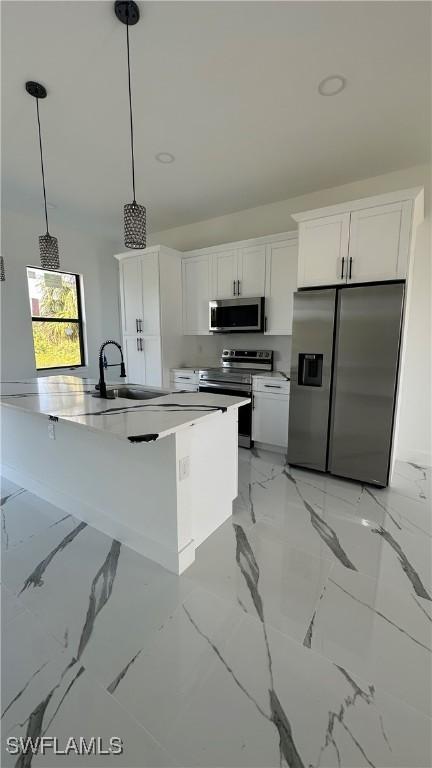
column 151, row 314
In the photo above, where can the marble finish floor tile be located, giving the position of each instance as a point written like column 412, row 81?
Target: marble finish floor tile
column 300, row 637
column 378, row 633
column 291, row 580
column 11, row 606
column 24, row 515
column 61, row 700
column 218, row 687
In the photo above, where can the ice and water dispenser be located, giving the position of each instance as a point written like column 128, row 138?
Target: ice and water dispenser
column 310, row 368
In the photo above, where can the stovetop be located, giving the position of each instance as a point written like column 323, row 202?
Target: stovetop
column 239, row 365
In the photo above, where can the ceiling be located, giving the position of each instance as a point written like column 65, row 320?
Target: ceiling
column 229, row 88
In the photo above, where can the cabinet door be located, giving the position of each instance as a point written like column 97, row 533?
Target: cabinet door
column 152, row 361
column 281, row 283
column 251, row 271
column 134, row 359
column 270, row 419
column 323, row 250
column 196, row 295
column 379, row 242
column 150, row 293
column 225, row 274
column 131, row 293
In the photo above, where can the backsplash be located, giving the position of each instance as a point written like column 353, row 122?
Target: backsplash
column 206, row 350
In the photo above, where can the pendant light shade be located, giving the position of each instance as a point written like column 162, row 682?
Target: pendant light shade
column 49, row 252
column 2, row 270
column 48, row 245
column 135, row 215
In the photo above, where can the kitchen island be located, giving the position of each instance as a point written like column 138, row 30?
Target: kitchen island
column 159, row 475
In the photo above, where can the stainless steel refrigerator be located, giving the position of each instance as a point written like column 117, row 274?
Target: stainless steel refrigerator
column 344, row 371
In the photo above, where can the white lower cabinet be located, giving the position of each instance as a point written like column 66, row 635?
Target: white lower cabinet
column 143, row 360
column 134, row 359
column 152, row 360
column 270, row 413
column 184, row 379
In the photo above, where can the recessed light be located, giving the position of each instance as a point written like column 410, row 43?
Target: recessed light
column 331, row 85
column 165, row 157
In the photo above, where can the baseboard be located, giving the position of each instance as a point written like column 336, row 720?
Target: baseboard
column 422, row 458
column 271, row 448
column 176, row 562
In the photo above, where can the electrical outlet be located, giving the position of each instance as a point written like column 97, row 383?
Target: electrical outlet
column 184, row 467
column 51, row 430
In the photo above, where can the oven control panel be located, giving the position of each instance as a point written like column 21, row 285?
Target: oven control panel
column 251, row 358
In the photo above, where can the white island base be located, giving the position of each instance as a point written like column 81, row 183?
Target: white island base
column 161, row 498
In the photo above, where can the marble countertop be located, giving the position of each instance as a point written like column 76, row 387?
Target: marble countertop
column 273, row 375
column 69, row 398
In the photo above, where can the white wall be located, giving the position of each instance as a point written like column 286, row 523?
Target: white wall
column 201, row 351
column 414, row 437
column 82, row 250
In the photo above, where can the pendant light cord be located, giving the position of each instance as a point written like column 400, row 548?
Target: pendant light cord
column 42, row 165
column 130, row 109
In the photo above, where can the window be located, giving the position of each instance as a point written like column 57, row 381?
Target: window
column 55, row 305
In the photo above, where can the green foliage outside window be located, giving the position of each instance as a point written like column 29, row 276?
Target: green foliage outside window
column 56, row 344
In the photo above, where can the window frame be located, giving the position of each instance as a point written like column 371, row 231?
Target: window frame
column 78, row 320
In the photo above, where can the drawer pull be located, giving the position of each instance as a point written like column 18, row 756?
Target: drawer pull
column 273, row 386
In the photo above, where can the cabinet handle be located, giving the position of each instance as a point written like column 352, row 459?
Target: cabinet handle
column 273, row 386
column 136, row 325
column 141, row 345
column 238, row 287
column 188, row 378
column 253, row 402
column 137, row 341
column 140, row 325
column 265, row 324
column 350, row 268
column 343, row 265
column 234, row 292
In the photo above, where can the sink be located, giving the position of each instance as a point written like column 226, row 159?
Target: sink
column 133, row 393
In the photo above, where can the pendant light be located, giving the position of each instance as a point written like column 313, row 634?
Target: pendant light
column 48, row 245
column 135, row 235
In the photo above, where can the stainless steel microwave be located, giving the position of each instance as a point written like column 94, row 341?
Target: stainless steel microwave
column 236, row 315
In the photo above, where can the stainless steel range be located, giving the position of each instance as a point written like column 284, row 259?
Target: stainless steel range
column 234, row 377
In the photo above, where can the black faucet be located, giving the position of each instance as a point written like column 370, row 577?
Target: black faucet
column 103, row 364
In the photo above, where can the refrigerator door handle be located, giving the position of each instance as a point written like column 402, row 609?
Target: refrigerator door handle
column 343, row 265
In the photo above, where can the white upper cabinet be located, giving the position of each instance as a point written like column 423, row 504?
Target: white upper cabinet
column 225, row 274
column 323, row 250
column 281, row 283
column 379, row 237
column 196, row 295
column 251, row 271
column 131, row 294
column 238, row 272
column 362, row 241
column 265, row 266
